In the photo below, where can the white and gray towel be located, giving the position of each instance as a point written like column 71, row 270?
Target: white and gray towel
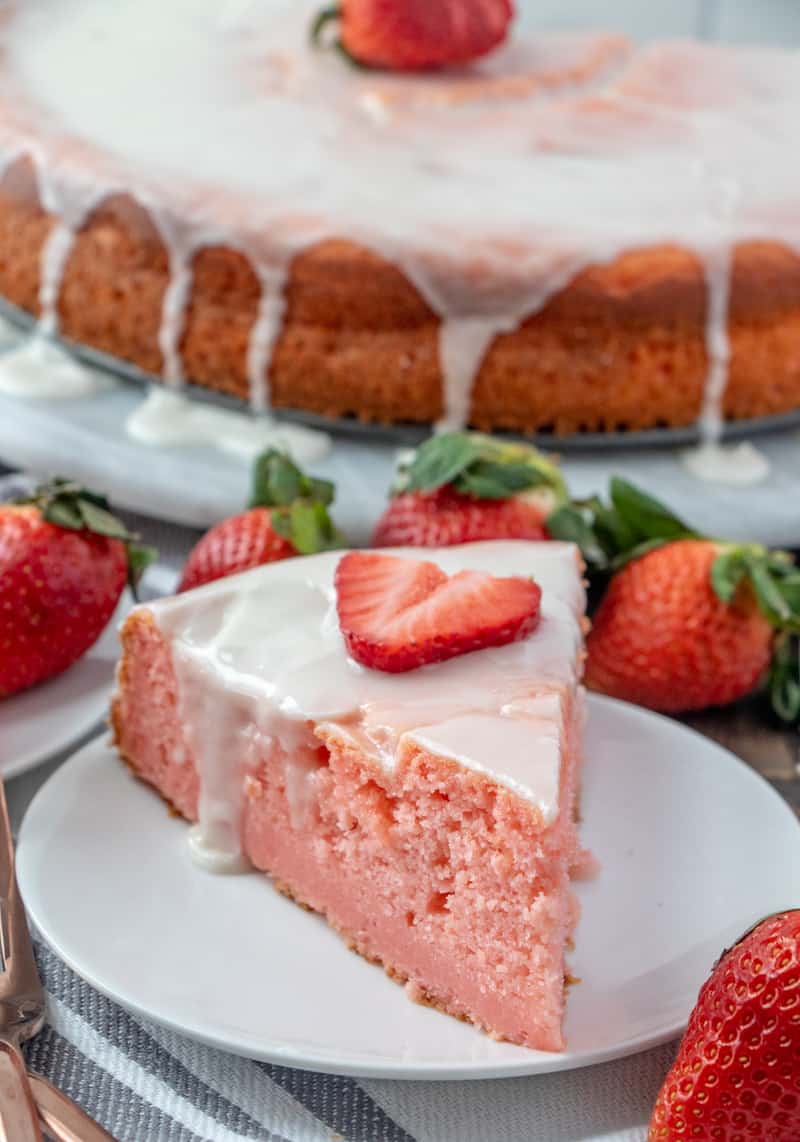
column 147, row 1084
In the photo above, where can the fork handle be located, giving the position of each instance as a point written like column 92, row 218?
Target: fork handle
column 19, row 1120
column 63, row 1119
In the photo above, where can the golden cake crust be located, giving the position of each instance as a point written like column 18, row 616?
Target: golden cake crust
column 623, row 346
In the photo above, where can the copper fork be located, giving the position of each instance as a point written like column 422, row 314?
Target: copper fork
column 26, row 1100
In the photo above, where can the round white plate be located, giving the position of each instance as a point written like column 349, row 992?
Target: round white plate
column 41, row 722
column 229, row 961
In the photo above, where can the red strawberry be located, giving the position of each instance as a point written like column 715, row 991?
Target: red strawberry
column 64, row 563
column 461, row 487
column 663, row 637
column 737, row 1074
column 396, row 614
column 288, row 516
column 417, row 35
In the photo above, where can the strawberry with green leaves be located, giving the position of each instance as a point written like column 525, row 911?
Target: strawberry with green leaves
column 414, row 35
column 737, row 1073
column 686, row 622
column 461, row 487
column 288, row 515
column 64, row 562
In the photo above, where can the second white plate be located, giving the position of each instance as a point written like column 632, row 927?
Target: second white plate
column 229, row 961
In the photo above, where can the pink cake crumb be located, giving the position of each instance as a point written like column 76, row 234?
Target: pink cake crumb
column 430, row 817
column 448, row 880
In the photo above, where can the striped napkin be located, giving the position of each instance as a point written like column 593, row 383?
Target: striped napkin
column 147, row 1084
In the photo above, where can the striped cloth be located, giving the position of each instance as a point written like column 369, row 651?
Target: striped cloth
column 147, row 1084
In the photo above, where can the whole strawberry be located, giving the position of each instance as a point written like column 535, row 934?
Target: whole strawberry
column 737, row 1074
column 462, row 487
column 64, row 563
column 288, row 516
column 663, row 637
column 415, row 35
column 685, row 622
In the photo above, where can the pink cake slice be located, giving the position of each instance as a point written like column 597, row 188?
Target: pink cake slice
column 430, row 816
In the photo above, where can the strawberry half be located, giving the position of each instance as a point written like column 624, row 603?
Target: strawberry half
column 463, row 487
column 397, row 614
column 415, row 35
column 288, row 516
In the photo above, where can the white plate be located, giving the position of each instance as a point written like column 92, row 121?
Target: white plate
column 39, row 723
column 229, row 961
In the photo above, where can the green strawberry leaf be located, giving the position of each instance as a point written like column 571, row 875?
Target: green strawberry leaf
column 568, row 524
column 311, row 529
column 139, row 559
column 768, row 593
column 727, row 572
column 478, row 466
column 101, row 521
column 324, row 491
column 636, row 552
column 281, row 520
column 612, row 531
column 643, row 515
column 784, row 679
column 489, row 480
column 439, row 460
column 64, row 513
column 299, row 502
column 277, row 481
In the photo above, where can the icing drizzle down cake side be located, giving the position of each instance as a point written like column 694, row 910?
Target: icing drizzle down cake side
column 569, row 234
column 430, row 816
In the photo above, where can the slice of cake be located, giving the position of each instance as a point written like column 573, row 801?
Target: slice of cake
column 428, row 814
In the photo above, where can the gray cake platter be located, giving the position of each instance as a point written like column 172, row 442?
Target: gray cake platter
column 197, row 485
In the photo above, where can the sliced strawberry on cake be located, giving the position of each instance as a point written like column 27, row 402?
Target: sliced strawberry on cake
column 397, row 743
column 460, row 487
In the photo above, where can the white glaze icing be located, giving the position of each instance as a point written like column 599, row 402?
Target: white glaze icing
column 166, row 418
column 38, row 369
column 264, row 334
column 209, row 852
column 530, row 748
column 739, row 465
column 260, row 659
column 489, row 188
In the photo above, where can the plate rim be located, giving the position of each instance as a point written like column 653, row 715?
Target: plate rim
column 312, row 1058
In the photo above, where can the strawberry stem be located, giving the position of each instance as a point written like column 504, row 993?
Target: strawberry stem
column 299, row 503
column 479, row 466
column 321, row 22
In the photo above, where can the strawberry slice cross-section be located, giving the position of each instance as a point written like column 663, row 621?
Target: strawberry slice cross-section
column 396, row 614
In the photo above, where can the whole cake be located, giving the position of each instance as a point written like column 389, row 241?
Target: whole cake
column 571, row 234
column 430, row 815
